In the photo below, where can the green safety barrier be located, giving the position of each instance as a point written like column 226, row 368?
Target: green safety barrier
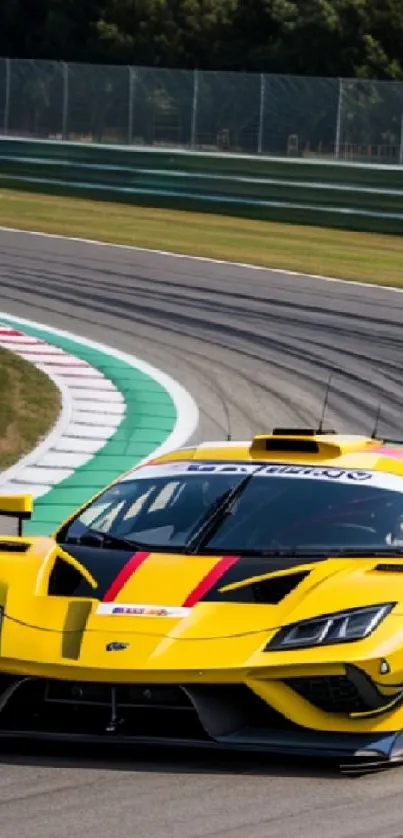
column 331, row 194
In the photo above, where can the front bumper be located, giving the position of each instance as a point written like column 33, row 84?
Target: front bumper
column 230, row 717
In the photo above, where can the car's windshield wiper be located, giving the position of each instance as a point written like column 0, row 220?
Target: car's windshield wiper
column 217, row 512
column 95, row 538
column 275, row 553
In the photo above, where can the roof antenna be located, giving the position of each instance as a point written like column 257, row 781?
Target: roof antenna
column 374, row 434
column 228, row 418
column 325, row 403
column 215, row 387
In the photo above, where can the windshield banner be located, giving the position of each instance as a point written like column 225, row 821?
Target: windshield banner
column 375, row 479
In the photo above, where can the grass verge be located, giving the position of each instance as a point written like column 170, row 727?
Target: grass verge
column 366, row 257
column 29, row 405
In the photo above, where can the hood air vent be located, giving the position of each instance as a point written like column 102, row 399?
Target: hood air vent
column 272, row 591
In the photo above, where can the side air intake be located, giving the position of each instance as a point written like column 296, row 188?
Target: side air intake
column 266, row 591
column 13, row 547
column 389, row 568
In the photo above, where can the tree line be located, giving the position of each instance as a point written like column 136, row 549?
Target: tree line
column 348, row 38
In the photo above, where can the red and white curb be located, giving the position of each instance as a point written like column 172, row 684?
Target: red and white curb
column 91, row 410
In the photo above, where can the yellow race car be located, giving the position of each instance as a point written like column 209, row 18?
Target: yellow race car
column 242, row 595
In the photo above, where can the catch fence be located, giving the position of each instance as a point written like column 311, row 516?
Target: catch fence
column 284, row 116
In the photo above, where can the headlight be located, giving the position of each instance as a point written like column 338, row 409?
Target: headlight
column 341, row 627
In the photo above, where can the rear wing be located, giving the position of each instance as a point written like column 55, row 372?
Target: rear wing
column 14, row 509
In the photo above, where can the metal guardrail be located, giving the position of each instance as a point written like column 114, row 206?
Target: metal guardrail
column 351, row 196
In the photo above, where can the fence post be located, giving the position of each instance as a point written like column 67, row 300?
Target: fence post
column 7, row 96
column 195, row 103
column 132, row 90
column 338, row 123
column 65, row 111
column 401, row 141
column 261, row 113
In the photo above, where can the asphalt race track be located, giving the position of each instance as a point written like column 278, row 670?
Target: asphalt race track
column 263, row 344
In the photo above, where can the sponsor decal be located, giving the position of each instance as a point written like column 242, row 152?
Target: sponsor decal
column 321, row 473
column 268, row 470
column 122, row 610
column 379, row 479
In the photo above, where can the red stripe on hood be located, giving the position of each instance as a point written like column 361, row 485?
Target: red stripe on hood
column 127, row 571
column 209, row 581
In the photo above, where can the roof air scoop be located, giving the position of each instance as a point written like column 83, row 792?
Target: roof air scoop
column 326, row 445
column 277, row 443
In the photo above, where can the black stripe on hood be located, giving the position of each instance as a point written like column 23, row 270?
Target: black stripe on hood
column 103, row 564
column 265, row 591
column 106, row 564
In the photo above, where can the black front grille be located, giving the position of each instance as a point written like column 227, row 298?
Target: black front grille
column 198, row 712
column 101, row 695
column 332, row 693
column 139, row 710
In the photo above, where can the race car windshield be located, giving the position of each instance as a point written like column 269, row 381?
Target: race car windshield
column 214, row 508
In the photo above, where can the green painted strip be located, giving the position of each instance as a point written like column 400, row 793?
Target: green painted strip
column 149, row 419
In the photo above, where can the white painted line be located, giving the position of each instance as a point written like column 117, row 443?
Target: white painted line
column 54, row 360
column 57, row 459
column 204, row 259
column 27, row 342
column 74, row 445
column 101, row 383
column 87, row 406
column 41, row 475
column 85, row 432
column 81, row 380
column 86, row 417
column 35, row 350
column 84, row 394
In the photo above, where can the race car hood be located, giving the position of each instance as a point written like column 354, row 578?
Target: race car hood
column 165, row 608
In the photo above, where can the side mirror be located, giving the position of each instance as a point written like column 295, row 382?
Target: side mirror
column 17, row 507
